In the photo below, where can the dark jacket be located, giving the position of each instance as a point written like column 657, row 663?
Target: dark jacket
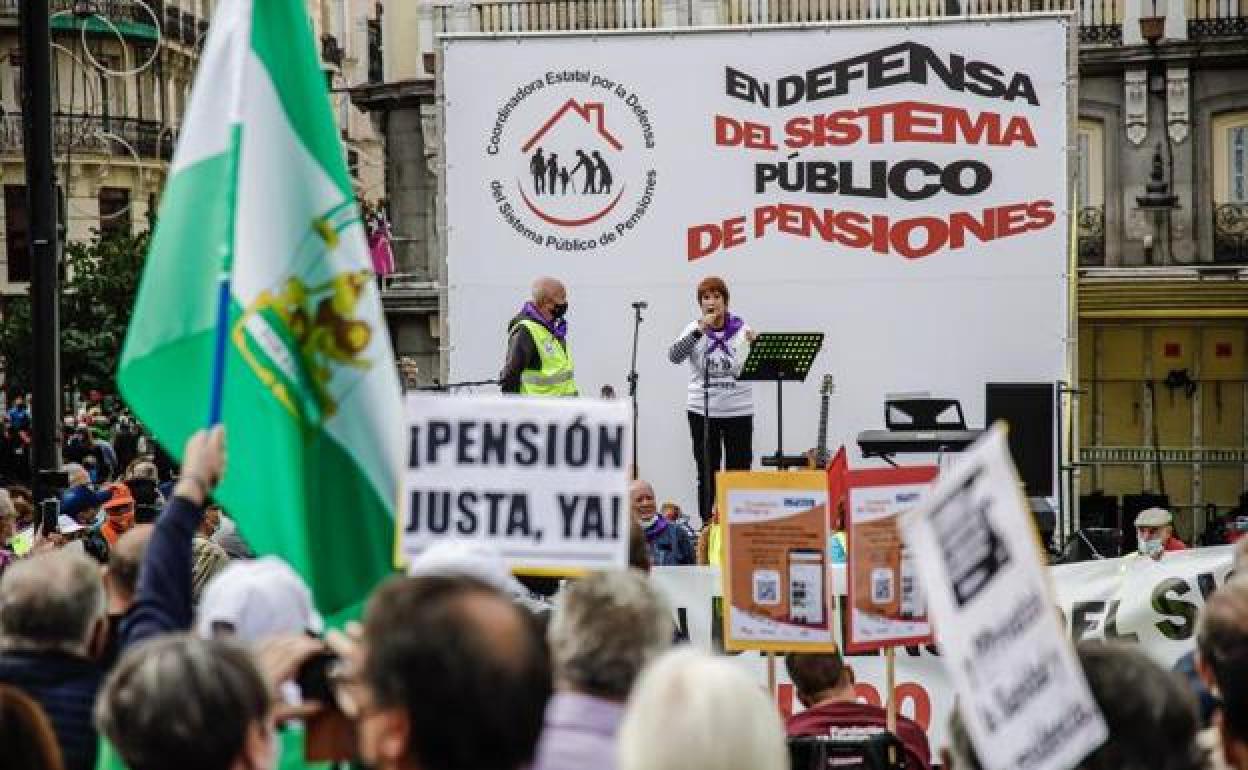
column 162, row 601
column 65, row 686
column 669, row 545
column 522, row 354
column 825, row 717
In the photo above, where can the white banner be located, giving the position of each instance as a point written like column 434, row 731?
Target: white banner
column 1133, row 600
column 543, row 479
column 898, row 187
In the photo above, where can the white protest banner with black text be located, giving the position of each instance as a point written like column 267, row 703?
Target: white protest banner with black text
column 1024, row 698
column 543, row 479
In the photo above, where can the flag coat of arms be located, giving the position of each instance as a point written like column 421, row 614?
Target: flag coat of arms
column 259, row 275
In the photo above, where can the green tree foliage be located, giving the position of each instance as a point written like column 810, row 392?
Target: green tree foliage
column 98, row 287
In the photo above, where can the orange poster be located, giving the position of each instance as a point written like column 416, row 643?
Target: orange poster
column 775, row 574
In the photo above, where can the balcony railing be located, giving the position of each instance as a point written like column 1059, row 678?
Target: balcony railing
column 1091, row 226
column 1230, row 233
column 125, row 17
column 522, row 15
column 95, row 135
column 1208, row 19
column 1100, row 22
column 1101, row 19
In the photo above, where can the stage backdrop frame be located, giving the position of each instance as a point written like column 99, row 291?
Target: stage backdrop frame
column 945, row 322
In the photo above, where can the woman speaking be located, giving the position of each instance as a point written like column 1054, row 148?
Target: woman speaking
column 721, row 409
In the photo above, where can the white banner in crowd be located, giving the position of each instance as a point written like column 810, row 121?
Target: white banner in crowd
column 898, row 187
column 545, row 480
column 1131, row 600
column 1024, row 698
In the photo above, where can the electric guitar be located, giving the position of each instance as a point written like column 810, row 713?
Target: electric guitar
column 818, row 457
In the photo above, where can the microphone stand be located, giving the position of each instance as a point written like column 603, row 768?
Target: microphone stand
column 632, row 381
column 706, row 434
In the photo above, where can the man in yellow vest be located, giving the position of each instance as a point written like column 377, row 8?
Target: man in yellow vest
column 538, row 360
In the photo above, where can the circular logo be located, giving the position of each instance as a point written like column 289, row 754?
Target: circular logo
column 573, row 151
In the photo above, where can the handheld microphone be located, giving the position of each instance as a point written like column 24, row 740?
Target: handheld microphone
column 641, row 304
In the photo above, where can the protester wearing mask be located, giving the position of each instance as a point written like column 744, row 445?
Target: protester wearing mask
column 1154, row 532
column 538, row 360
column 668, row 544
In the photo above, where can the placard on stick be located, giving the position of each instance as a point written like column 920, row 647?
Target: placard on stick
column 775, row 575
column 1023, row 695
column 543, row 479
column 886, row 607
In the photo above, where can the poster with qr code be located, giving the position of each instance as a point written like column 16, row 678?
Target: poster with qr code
column 884, row 598
column 775, row 575
column 1023, row 694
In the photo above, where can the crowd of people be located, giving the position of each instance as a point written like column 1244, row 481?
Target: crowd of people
column 140, row 632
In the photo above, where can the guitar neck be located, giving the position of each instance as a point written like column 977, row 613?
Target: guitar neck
column 822, row 449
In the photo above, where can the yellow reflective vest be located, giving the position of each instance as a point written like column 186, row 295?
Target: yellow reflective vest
column 557, row 376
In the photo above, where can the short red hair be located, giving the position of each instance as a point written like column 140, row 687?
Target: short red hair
column 712, row 283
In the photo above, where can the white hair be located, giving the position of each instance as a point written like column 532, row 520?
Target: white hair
column 723, row 717
column 605, row 628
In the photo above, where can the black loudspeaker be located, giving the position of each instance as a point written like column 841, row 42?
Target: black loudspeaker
column 1099, row 510
column 1028, row 409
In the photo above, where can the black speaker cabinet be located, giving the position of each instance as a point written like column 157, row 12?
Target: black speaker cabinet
column 1028, row 408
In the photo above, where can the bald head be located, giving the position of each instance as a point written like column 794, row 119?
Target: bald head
column 123, row 566
column 641, row 500
column 548, row 289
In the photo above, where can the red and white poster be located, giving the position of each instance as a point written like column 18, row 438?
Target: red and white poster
column 886, row 607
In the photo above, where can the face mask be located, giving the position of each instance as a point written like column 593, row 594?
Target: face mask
column 647, row 522
column 560, row 310
column 1150, row 548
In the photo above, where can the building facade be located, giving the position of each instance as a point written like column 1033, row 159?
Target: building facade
column 1162, row 278
column 123, row 71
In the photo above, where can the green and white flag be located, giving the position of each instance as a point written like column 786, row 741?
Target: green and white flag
column 259, row 208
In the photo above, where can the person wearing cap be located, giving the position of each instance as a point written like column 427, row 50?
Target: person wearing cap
column 1154, row 533
column 80, row 501
column 118, row 512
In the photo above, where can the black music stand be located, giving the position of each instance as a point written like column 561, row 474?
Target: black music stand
column 777, row 357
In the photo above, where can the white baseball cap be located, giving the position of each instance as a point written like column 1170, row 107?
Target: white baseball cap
column 468, row 558
column 257, row 599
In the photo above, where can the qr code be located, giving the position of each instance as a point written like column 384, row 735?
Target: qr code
column 881, row 585
column 766, row 587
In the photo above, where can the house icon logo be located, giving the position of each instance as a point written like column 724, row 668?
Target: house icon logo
column 572, row 156
column 569, row 162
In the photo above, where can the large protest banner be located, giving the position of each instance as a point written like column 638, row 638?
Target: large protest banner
column 543, row 479
column 1131, row 600
column 899, row 187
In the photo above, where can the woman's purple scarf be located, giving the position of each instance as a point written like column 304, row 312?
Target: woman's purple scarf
column 719, row 339
column 558, row 327
column 656, row 529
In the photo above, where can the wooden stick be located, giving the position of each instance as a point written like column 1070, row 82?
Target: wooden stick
column 771, row 674
column 890, row 677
